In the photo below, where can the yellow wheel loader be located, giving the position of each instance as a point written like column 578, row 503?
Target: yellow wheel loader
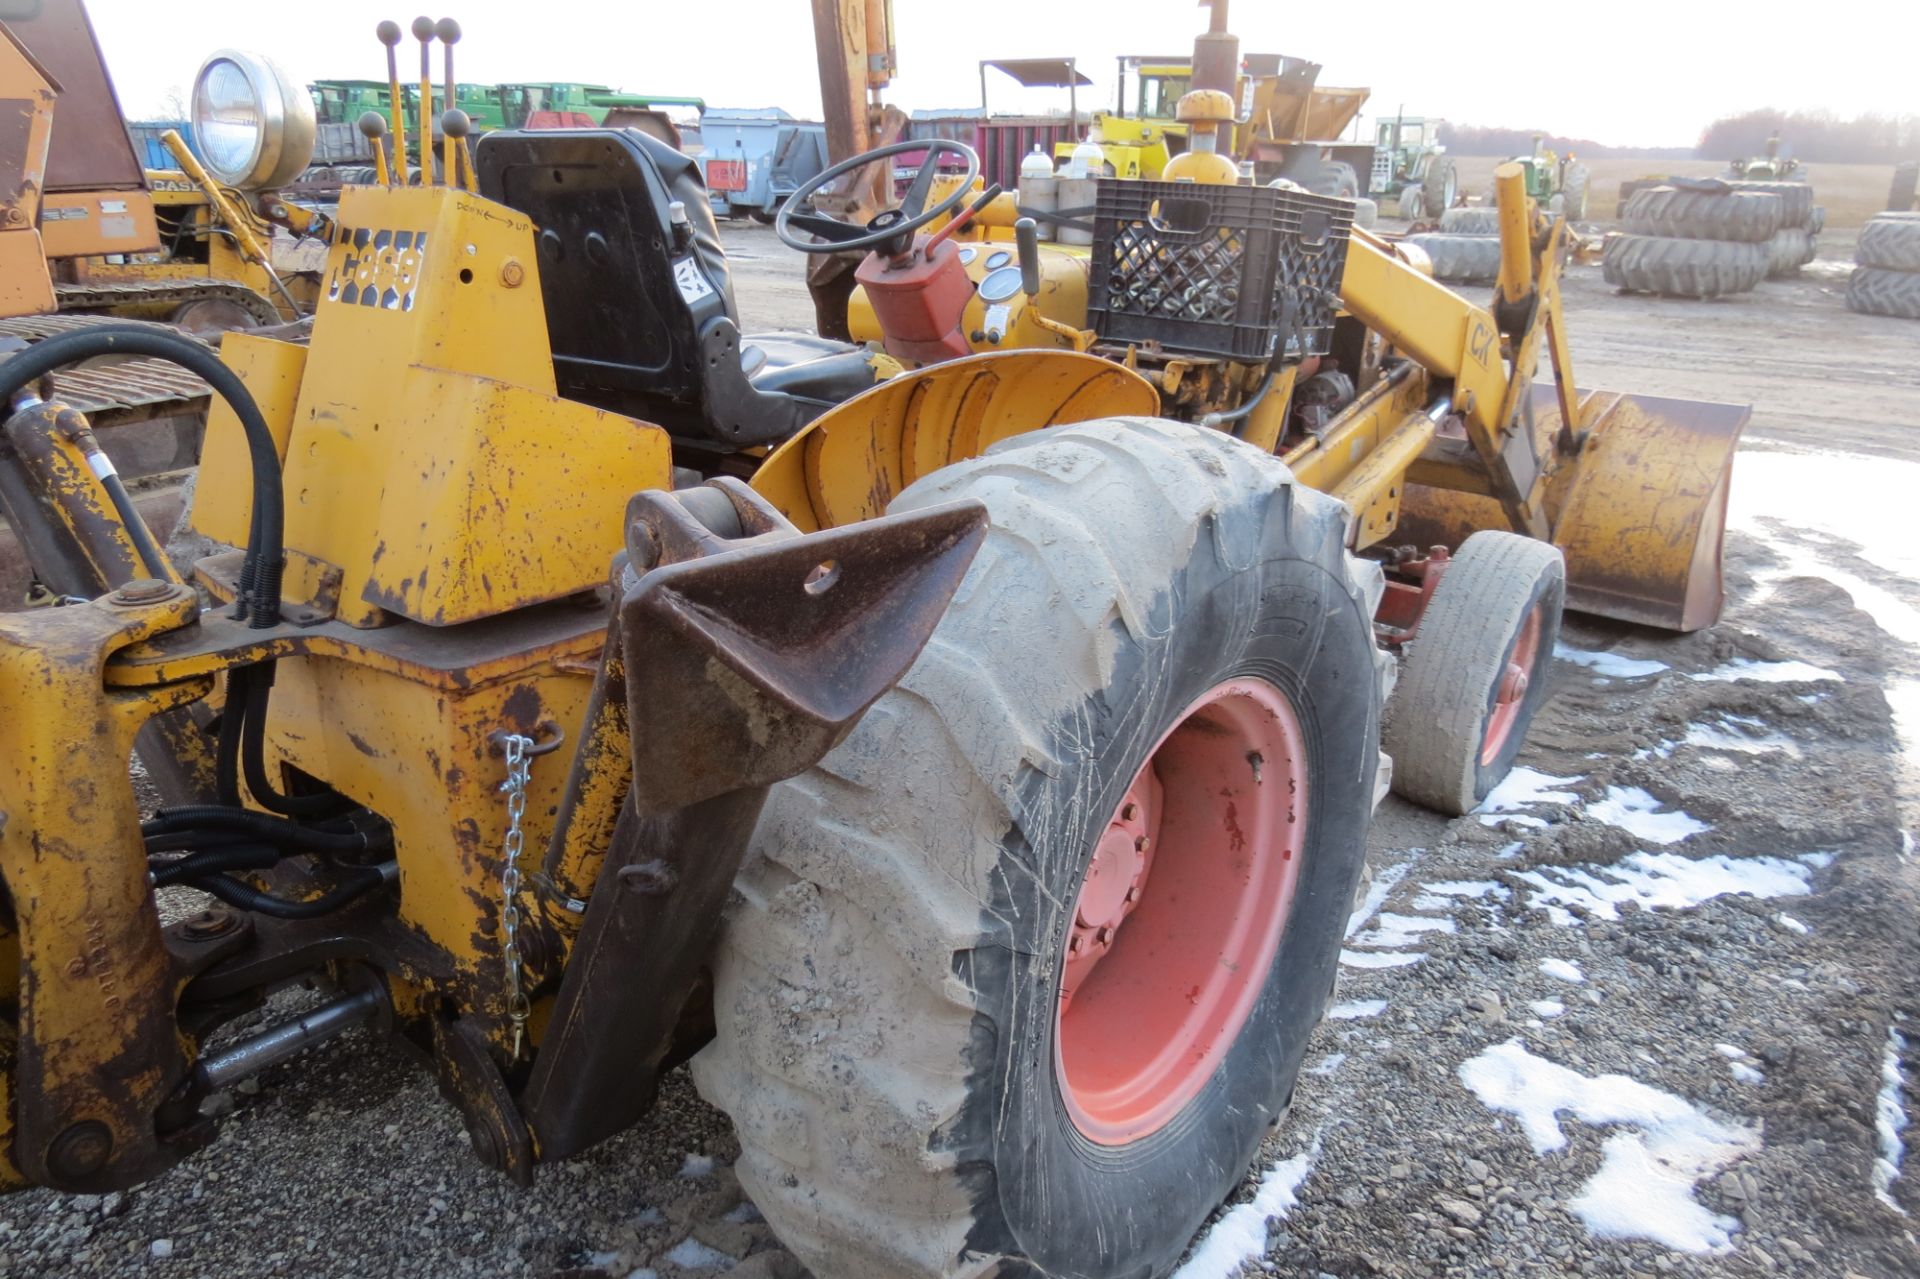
column 967, row 770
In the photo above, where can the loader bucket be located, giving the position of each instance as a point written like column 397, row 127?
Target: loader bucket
column 1640, row 513
column 851, row 461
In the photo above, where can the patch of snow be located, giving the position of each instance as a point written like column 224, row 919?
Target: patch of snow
column 1790, row 923
column 1819, row 861
column 1518, row 819
column 1510, row 850
column 691, row 1254
column 1357, row 1009
column 1241, row 1235
column 1732, row 1052
column 1890, row 1120
column 645, row 1272
column 1380, row 958
column 1395, row 931
column 1660, row 879
column 1563, row 969
column 1634, row 811
column 696, row 1165
column 601, row 1260
column 1644, row 1188
column 1609, row 664
column 1525, row 786
column 1383, row 883
column 742, row 1213
column 1746, row 1074
column 1710, row 737
column 1760, row 672
column 1327, row 1064
column 1547, row 1008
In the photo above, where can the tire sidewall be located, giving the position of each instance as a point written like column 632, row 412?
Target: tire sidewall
column 1550, row 591
column 1073, row 1207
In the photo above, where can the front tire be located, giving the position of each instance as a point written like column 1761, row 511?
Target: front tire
column 1476, row 671
column 888, row 997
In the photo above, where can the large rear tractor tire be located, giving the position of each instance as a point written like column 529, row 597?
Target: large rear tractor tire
column 1891, row 244
column 1471, row 219
column 1461, row 259
column 1796, row 198
column 1016, row 980
column 1576, row 185
column 1788, row 251
column 1678, row 268
column 1337, row 178
column 1440, row 188
column 1750, row 217
column 1476, row 671
column 1872, row 291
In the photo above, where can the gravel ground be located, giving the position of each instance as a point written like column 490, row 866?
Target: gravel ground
column 1763, row 1021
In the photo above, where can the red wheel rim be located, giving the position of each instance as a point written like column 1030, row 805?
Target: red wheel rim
column 1510, row 694
column 1180, row 912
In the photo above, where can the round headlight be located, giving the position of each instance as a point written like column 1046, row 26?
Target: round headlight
column 255, row 127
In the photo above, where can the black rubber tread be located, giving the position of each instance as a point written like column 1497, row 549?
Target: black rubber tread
column 1891, row 244
column 1873, row 291
column 1440, row 175
column 1476, row 219
column 1817, row 220
column 1461, row 259
column 1682, row 268
column 1788, row 251
column 1577, row 186
column 1366, row 213
column 885, row 984
column 1436, row 720
column 1749, row 217
column 1336, row 177
column 1796, row 198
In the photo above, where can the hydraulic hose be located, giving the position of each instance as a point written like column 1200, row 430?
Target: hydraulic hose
column 253, row 756
column 261, row 570
column 196, row 819
column 359, row 883
column 143, row 543
column 239, row 857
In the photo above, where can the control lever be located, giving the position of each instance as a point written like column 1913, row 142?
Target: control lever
column 1026, row 239
column 960, row 219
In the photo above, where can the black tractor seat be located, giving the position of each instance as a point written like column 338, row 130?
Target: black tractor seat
column 639, row 301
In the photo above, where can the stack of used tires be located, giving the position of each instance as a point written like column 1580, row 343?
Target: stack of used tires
column 1801, row 221
column 1466, row 248
column 1700, row 239
column 1886, row 273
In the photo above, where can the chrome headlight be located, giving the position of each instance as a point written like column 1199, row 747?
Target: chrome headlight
column 254, row 126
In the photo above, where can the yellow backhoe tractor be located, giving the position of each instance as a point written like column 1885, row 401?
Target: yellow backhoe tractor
column 973, row 788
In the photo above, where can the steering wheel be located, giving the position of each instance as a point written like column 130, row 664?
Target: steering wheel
column 893, row 225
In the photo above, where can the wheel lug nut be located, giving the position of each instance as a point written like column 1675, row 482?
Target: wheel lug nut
column 1130, row 812
column 1142, row 844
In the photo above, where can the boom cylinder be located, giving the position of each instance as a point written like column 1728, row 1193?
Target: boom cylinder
column 1516, row 232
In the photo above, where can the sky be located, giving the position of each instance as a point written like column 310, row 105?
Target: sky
column 1622, row 73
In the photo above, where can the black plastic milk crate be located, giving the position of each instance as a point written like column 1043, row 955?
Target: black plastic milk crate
column 1216, row 270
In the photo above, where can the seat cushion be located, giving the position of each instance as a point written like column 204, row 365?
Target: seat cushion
column 805, row 366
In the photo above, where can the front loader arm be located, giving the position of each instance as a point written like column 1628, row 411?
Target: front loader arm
column 1489, row 355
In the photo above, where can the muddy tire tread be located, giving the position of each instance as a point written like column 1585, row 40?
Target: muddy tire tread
column 1681, row 268
column 1749, row 217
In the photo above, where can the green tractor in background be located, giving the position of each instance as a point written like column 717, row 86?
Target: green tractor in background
column 1410, row 166
column 1771, row 167
column 1558, row 183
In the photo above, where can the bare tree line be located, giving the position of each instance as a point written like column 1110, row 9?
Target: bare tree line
column 1812, row 136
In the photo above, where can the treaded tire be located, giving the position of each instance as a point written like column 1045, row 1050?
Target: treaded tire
column 1750, row 217
column 1682, row 268
column 1796, row 198
column 1872, row 291
column 1437, row 718
column 1817, row 220
column 1788, row 251
column 886, row 984
column 1577, row 185
column 1470, row 220
column 1336, row 177
column 1891, row 244
column 1461, row 259
column 1440, row 187
column 1366, row 213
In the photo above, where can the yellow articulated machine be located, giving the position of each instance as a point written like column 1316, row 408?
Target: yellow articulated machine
column 962, row 759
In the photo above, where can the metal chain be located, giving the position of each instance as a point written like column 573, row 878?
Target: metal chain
column 519, row 767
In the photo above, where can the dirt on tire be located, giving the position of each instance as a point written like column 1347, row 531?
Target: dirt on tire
column 1686, row 214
